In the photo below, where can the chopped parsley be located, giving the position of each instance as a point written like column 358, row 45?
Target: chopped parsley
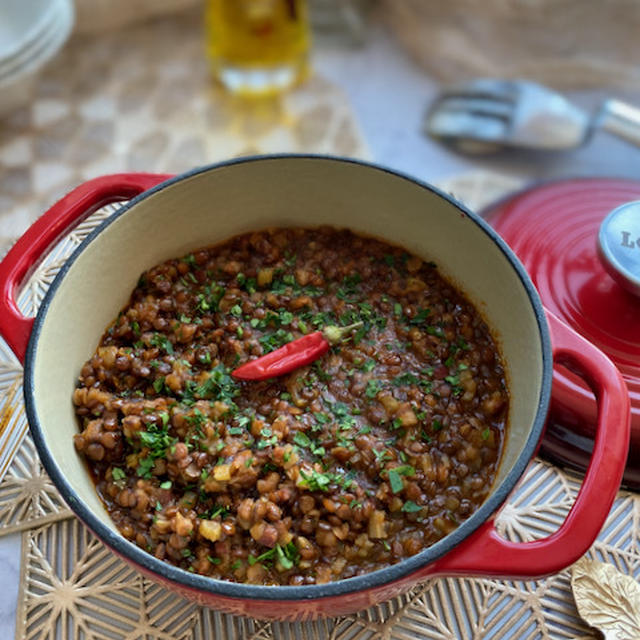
column 373, row 388
column 368, row 365
column 349, row 287
column 420, row 317
column 162, row 342
column 265, row 557
column 405, row 470
column 190, row 260
column 454, row 381
column 210, row 299
column 272, row 341
column 249, row 284
column 318, row 481
column 214, row 512
column 158, row 441
column 218, row 386
column 321, row 318
column 145, row 465
column 268, row 438
column 197, row 419
column 395, row 481
column 235, row 431
column 382, row 456
column 288, row 282
column 287, row 556
column 118, row 474
column 405, row 379
column 243, row 420
column 302, row 439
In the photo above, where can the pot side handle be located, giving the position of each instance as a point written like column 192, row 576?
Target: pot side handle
column 27, row 252
column 486, row 552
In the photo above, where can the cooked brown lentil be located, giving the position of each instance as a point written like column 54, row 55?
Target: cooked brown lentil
column 373, row 453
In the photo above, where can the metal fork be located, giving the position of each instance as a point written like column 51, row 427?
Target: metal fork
column 486, row 115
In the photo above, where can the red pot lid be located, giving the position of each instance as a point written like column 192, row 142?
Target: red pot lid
column 553, row 229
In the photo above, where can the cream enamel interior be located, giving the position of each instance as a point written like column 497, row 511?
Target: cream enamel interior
column 209, row 207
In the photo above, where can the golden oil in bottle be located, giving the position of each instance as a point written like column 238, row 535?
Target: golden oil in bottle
column 258, row 46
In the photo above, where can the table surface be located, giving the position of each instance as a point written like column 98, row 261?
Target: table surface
column 389, row 94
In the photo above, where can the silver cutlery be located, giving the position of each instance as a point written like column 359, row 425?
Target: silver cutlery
column 485, row 115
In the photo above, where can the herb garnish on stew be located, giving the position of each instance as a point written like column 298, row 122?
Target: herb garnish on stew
column 366, row 455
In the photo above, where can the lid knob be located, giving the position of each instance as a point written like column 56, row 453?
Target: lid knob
column 619, row 245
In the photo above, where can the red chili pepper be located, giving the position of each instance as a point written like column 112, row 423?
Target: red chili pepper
column 294, row 354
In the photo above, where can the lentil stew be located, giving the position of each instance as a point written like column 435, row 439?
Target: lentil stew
column 366, row 456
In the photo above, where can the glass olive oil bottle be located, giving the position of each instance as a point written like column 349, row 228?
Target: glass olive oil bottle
column 258, row 46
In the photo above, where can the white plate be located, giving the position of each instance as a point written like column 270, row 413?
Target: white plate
column 55, row 24
column 22, row 23
column 47, row 47
column 16, row 87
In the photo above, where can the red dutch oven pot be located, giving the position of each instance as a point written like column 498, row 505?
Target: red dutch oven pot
column 169, row 217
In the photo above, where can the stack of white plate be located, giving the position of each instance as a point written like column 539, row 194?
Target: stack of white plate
column 31, row 33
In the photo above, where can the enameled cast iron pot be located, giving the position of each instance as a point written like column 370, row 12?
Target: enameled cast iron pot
column 171, row 217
